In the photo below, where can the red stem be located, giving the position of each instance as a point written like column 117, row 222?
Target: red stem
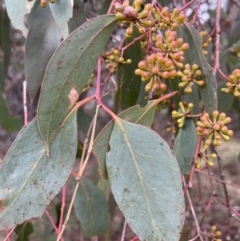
column 9, row 234
column 52, row 223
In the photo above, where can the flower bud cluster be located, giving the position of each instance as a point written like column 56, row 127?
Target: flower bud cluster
column 203, row 156
column 113, row 59
column 164, row 19
column 43, row 3
column 172, row 48
column 205, row 41
column 189, row 76
column 214, row 129
column 155, row 68
column 235, row 49
column 233, row 84
column 134, row 15
column 215, row 234
column 184, row 111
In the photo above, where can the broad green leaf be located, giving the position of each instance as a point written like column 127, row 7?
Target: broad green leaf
column 135, row 114
column 105, row 7
column 128, row 82
column 225, row 101
column 79, row 16
column 173, row 85
column 42, row 40
column 83, row 120
column 194, row 55
column 68, row 72
column 29, row 179
column 143, row 95
column 146, row 182
column 62, row 11
column 185, row 145
column 16, row 11
column 23, row 231
column 5, row 40
column 91, row 208
column 7, row 121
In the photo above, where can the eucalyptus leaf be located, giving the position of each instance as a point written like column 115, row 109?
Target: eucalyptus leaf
column 194, row 55
column 225, row 101
column 68, row 72
column 62, row 11
column 79, row 16
column 146, row 182
column 5, row 39
column 7, row 121
column 134, row 114
column 128, row 82
column 16, row 11
column 185, row 145
column 91, row 208
column 42, row 40
column 29, row 179
column 23, row 231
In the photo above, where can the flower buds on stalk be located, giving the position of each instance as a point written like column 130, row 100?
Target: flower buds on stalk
column 189, row 76
column 185, row 110
column 214, row 129
column 113, row 59
column 156, row 67
column 233, row 84
column 172, row 48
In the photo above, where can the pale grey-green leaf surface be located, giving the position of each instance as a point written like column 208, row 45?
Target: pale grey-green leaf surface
column 68, row 72
column 42, row 40
column 62, row 11
column 185, row 145
column 194, row 55
column 29, row 179
column 16, row 11
column 134, row 114
column 146, row 182
column 79, row 16
column 91, row 208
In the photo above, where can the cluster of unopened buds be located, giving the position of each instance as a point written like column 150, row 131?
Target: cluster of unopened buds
column 189, row 76
column 155, row 68
column 43, row 3
column 134, row 15
column 215, row 234
column 113, row 59
column 214, row 129
column 164, row 19
column 171, row 47
column 204, row 156
column 235, row 49
column 205, row 41
column 184, row 112
column 233, row 84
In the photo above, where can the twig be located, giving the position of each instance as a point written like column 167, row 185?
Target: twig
column 98, row 83
column 52, row 223
column 217, row 180
column 124, row 231
column 62, row 207
column 197, row 149
column 9, row 234
column 221, row 175
column 25, row 113
column 217, row 41
column 193, row 212
column 186, row 5
column 80, row 174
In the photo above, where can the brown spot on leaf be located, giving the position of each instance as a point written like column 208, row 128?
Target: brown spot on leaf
column 73, row 96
